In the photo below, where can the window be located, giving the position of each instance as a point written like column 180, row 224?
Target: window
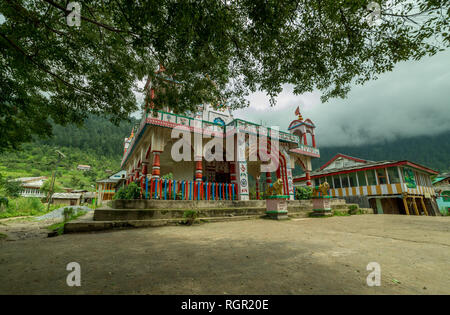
column 337, row 181
column 381, row 173
column 393, row 175
column 429, row 181
column 344, row 180
column 352, row 179
column 371, row 177
column 418, row 178
column 362, row 178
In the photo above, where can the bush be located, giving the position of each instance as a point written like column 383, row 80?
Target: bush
column 3, row 203
column 167, row 176
column 133, row 191
column 190, row 216
column 121, row 193
column 303, row 193
column 130, row 192
column 353, row 209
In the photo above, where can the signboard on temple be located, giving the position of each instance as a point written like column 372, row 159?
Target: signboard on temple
column 409, row 178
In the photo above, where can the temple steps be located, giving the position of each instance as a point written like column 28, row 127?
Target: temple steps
column 155, row 213
column 92, row 226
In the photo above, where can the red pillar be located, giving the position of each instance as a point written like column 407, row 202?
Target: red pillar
column 137, row 176
column 308, row 179
column 305, row 142
column 156, row 164
column 198, row 170
column 313, row 141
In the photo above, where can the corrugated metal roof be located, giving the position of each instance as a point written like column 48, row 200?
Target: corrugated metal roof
column 66, row 196
column 353, row 167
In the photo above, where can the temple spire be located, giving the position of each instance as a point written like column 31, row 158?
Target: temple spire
column 297, row 112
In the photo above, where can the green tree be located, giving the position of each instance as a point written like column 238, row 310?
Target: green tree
column 46, row 186
column 213, row 51
column 12, row 188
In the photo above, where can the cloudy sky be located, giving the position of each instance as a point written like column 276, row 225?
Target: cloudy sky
column 412, row 100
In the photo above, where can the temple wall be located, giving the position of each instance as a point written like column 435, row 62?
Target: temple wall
column 180, row 171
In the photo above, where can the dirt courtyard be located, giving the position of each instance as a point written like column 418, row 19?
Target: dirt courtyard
column 297, row 256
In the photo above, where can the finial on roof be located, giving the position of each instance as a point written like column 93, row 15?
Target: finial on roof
column 297, row 112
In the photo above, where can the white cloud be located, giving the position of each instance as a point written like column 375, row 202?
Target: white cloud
column 412, row 100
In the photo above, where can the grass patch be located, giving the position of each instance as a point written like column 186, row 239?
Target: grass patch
column 21, row 207
column 2, row 236
column 337, row 213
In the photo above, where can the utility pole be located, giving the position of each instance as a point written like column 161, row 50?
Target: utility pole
column 50, row 193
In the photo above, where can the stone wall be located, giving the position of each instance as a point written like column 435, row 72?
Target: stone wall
column 362, row 201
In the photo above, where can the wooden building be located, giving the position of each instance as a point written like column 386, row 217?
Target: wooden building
column 390, row 187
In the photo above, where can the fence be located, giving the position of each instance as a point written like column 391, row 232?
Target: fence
column 169, row 189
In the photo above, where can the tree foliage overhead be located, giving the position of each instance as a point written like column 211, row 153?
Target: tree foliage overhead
column 216, row 51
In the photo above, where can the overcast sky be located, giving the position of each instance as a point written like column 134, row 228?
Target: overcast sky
column 412, row 100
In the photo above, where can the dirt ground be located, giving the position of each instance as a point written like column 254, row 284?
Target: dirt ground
column 298, row 256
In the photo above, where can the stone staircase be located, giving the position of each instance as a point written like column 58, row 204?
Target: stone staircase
column 153, row 213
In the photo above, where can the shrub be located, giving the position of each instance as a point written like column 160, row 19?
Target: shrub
column 167, row 176
column 121, row 193
column 190, row 216
column 133, row 191
column 3, row 203
column 303, row 193
column 130, row 192
column 353, row 209
column 68, row 212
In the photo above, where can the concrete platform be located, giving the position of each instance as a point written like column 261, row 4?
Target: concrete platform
column 153, row 213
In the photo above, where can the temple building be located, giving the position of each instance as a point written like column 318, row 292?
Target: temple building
column 240, row 148
column 391, row 187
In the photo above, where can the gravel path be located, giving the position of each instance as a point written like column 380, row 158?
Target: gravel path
column 58, row 213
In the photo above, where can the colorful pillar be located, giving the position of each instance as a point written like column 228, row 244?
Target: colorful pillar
column 313, row 141
column 198, row 169
column 308, row 178
column 156, row 164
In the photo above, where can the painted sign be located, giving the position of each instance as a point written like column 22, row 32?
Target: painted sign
column 290, row 183
column 409, row 178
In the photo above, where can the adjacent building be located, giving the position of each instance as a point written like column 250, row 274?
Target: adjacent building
column 391, row 187
column 441, row 184
column 70, row 199
column 31, row 186
column 82, row 167
column 106, row 188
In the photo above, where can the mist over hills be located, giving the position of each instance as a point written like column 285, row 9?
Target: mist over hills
column 99, row 143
